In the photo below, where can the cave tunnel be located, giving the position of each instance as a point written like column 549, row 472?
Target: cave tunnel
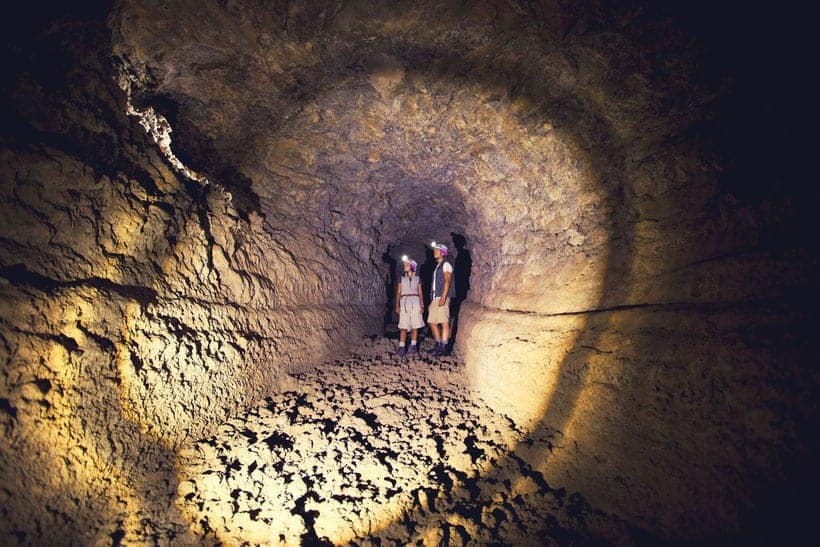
column 204, row 209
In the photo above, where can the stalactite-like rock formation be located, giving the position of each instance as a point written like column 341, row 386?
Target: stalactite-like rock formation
column 636, row 295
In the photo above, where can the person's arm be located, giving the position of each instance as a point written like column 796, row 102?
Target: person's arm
column 421, row 297
column 448, row 276
column 398, row 296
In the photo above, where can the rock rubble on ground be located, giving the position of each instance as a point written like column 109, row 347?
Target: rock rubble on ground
column 370, row 447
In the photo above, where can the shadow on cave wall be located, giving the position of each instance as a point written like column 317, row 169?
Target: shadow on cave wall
column 462, row 268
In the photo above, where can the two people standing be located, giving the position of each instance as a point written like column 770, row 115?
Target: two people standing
column 410, row 303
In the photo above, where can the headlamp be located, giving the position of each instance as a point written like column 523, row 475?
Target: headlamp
column 440, row 246
column 404, row 258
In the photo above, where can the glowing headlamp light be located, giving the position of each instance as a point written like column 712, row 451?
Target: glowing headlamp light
column 404, row 258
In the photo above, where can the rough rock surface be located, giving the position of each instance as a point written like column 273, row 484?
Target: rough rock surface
column 637, row 288
column 374, row 448
column 138, row 308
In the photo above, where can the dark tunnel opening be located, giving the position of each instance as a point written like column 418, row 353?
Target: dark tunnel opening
column 634, row 286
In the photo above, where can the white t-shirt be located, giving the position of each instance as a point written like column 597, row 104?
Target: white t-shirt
column 448, row 268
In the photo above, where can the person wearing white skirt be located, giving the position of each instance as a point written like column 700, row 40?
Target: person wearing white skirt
column 409, row 306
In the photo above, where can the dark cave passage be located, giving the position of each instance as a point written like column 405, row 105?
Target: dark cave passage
column 204, row 209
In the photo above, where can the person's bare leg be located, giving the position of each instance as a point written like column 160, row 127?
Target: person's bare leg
column 403, row 336
column 434, row 330
column 414, row 335
column 445, row 332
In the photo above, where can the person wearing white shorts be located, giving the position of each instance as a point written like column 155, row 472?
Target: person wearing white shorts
column 409, row 306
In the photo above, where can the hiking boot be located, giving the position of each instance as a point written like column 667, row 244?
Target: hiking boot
column 414, row 349
column 445, row 350
column 436, row 350
column 402, row 351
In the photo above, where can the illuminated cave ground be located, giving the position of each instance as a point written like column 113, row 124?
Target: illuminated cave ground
column 377, row 448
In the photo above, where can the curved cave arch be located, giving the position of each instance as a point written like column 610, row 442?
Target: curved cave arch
column 209, row 275
column 562, row 104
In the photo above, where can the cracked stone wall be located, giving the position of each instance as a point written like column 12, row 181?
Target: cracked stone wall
column 634, row 282
column 138, row 307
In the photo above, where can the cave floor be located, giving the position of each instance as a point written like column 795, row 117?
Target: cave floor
column 374, row 449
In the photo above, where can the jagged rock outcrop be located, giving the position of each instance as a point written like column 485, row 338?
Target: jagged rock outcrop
column 631, row 289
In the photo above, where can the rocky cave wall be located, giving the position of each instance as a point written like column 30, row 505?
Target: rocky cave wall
column 139, row 307
column 630, row 292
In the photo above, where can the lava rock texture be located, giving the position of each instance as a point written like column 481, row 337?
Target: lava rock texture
column 203, row 204
column 395, row 452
